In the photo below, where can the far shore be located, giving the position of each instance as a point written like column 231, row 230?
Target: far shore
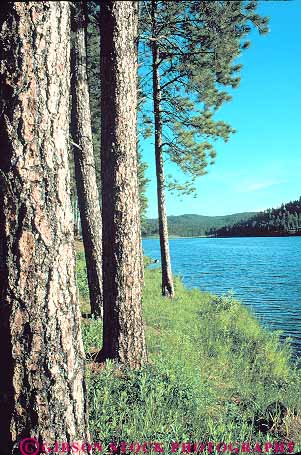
column 171, row 237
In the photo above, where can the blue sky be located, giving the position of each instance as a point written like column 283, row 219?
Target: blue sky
column 260, row 166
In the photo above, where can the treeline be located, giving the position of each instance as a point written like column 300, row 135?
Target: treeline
column 186, row 54
column 285, row 220
column 53, row 80
column 193, row 225
column 90, row 29
column 46, row 158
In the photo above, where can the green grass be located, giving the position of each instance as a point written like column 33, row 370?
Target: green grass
column 212, row 373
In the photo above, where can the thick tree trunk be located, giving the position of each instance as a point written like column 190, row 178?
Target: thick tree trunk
column 167, row 280
column 84, row 163
column 123, row 325
column 42, row 358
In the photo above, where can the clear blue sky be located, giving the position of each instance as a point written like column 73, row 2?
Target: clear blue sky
column 260, row 167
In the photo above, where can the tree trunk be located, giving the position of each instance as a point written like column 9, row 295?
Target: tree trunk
column 84, row 162
column 167, row 280
column 42, row 358
column 123, row 325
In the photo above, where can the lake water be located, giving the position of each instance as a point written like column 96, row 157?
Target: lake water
column 264, row 273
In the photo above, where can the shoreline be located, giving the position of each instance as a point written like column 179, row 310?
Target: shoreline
column 213, row 355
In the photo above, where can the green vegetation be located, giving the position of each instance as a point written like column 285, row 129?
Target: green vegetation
column 285, row 220
column 193, row 225
column 193, row 49
column 214, row 374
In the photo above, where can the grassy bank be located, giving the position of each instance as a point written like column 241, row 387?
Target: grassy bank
column 214, row 374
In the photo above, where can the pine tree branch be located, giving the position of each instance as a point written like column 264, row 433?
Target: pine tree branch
column 175, row 79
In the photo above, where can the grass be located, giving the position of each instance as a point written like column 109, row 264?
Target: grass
column 214, row 374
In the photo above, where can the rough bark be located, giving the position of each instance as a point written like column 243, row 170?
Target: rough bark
column 84, row 162
column 42, row 382
column 123, row 324
column 167, row 280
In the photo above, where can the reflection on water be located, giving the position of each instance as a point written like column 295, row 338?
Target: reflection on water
column 264, row 273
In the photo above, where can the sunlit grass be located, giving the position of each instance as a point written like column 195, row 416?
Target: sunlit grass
column 212, row 373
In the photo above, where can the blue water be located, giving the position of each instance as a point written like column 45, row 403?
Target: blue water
column 264, row 273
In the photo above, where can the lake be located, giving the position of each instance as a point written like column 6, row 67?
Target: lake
column 263, row 272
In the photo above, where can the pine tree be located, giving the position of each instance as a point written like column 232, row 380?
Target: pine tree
column 193, row 46
column 143, row 182
column 93, row 70
column 93, row 73
column 167, row 281
column 42, row 359
column 123, row 325
column 84, row 162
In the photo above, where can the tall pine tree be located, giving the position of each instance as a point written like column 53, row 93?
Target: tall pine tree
column 124, row 338
column 42, row 359
column 192, row 47
column 84, row 162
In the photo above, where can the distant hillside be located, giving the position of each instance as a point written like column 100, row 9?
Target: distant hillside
column 193, row 225
column 285, row 220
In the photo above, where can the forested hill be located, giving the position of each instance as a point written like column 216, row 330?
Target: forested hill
column 285, row 220
column 193, row 225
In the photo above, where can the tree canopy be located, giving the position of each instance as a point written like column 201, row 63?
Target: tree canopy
column 198, row 44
